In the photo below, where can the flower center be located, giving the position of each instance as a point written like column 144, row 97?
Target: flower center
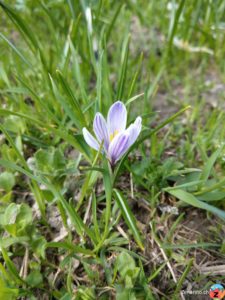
column 112, row 135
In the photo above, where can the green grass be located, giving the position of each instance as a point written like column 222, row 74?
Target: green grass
column 70, row 227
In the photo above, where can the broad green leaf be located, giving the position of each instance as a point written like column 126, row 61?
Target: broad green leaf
column 126, row 266
column 76, row 220
column 184, row 185
column 212, row 196
column 124, row 293
column 34, row 279
column 193, row 201
column 7, row 181
column 26, row 167
column 7, row 293
column 15, row 218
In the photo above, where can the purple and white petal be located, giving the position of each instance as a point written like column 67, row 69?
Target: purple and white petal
column 90, row 140
column 100, row 130
column 134, row 130
column 118, row 147
column 117, row 118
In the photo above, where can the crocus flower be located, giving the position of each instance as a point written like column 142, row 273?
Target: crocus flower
column 114, row 136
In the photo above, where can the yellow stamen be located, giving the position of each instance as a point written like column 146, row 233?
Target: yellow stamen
column 112, row 135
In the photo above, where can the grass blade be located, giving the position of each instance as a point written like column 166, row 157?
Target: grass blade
column 99, row 82
column 11, row 267
column 76, row 141
column 209, row 164
column 77, row 73
column 29, row 36
column 72, row 8
column 116, row 14
column 16, row 50
column 69, row 246
column 129, row 217
column 175, row 22
column 183, row 276
column 72, row 99
column 123, row 70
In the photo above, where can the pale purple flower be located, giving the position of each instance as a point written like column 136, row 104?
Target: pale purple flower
column 114, row 136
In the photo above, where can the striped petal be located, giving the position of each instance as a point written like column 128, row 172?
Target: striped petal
column 118, row 147
column 134, row 130
column 100, row 130
column 90, row 140
column 117, row 118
